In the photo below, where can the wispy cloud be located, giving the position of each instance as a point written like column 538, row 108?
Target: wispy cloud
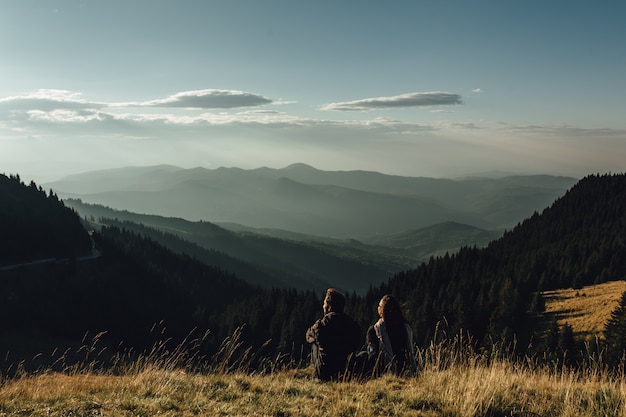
column 67, row 116
column 48, row 100
column 206, row 99
column 564, row 130
column 191, row 109
column 47, row 94
column 403, row 100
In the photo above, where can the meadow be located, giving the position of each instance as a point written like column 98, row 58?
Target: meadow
column 586, row 309
column 454, row 380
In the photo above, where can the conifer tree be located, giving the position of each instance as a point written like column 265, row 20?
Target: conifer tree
column 615, row 333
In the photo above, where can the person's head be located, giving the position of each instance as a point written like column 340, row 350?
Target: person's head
column 389, row 309
column 334, row 301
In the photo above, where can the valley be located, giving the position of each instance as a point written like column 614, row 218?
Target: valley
column 302, row 199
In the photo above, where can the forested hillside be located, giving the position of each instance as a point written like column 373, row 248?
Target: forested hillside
column 260, row 259
column 379, row 255
column 579, row 240
column 36, row 225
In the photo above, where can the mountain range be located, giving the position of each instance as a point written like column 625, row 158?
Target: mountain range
column 279, row 258
column 303, row 199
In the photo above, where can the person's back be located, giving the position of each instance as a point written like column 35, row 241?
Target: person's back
column 333, row 338
column 390, row 340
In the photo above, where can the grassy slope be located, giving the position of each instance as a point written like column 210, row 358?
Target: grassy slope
column 454, row 381
column 498, row 389
column 587, row 309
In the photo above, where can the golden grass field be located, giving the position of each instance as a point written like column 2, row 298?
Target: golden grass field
column 454, row 380
column 587, row 309
column 467, row 389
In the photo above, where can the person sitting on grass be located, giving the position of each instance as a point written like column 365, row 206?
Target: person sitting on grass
column 334, row 338
column 390, row 340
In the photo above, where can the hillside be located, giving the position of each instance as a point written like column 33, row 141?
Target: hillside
column 411, row 245
column 272, row 257
column 300, row 198
column 435, row 240
column 578, row 241
column 261, row 259
column 54, row 286
column 36, row 225
column 586, row 309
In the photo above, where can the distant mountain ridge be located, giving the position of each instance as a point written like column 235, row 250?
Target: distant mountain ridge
column 257, row 199
column 436, row 240
column 303, row 199
column 278, row 258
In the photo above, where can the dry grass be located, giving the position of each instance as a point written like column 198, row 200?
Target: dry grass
column 453, row 381
column 498, row 389
column 587, row 309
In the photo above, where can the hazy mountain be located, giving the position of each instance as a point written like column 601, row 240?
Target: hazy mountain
column 303, row 199
column 261, row 259
column 118, row 179
column 414, row 245
column 435, row 240
column 269, row 255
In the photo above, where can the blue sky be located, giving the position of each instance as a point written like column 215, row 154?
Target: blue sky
column 420, row 88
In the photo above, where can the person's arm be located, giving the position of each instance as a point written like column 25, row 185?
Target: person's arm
column 373, row 345
column 312, row 332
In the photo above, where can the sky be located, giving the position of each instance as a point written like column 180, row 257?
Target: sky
column 416, row 88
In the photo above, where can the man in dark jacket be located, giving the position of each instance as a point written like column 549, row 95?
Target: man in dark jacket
column 334, row 338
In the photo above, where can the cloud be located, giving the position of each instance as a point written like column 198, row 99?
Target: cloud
column 230, row 124
column 565, row 130
column 403, row 100
column 67, row 116
column 61, row 110
column 48, row 94
column 205, row 99
column 47, row 100
column 477, row 90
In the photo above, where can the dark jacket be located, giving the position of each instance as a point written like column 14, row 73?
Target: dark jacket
column 334, row 338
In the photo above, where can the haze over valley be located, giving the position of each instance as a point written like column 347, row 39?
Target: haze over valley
column 306, row 228
column 302, row 199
